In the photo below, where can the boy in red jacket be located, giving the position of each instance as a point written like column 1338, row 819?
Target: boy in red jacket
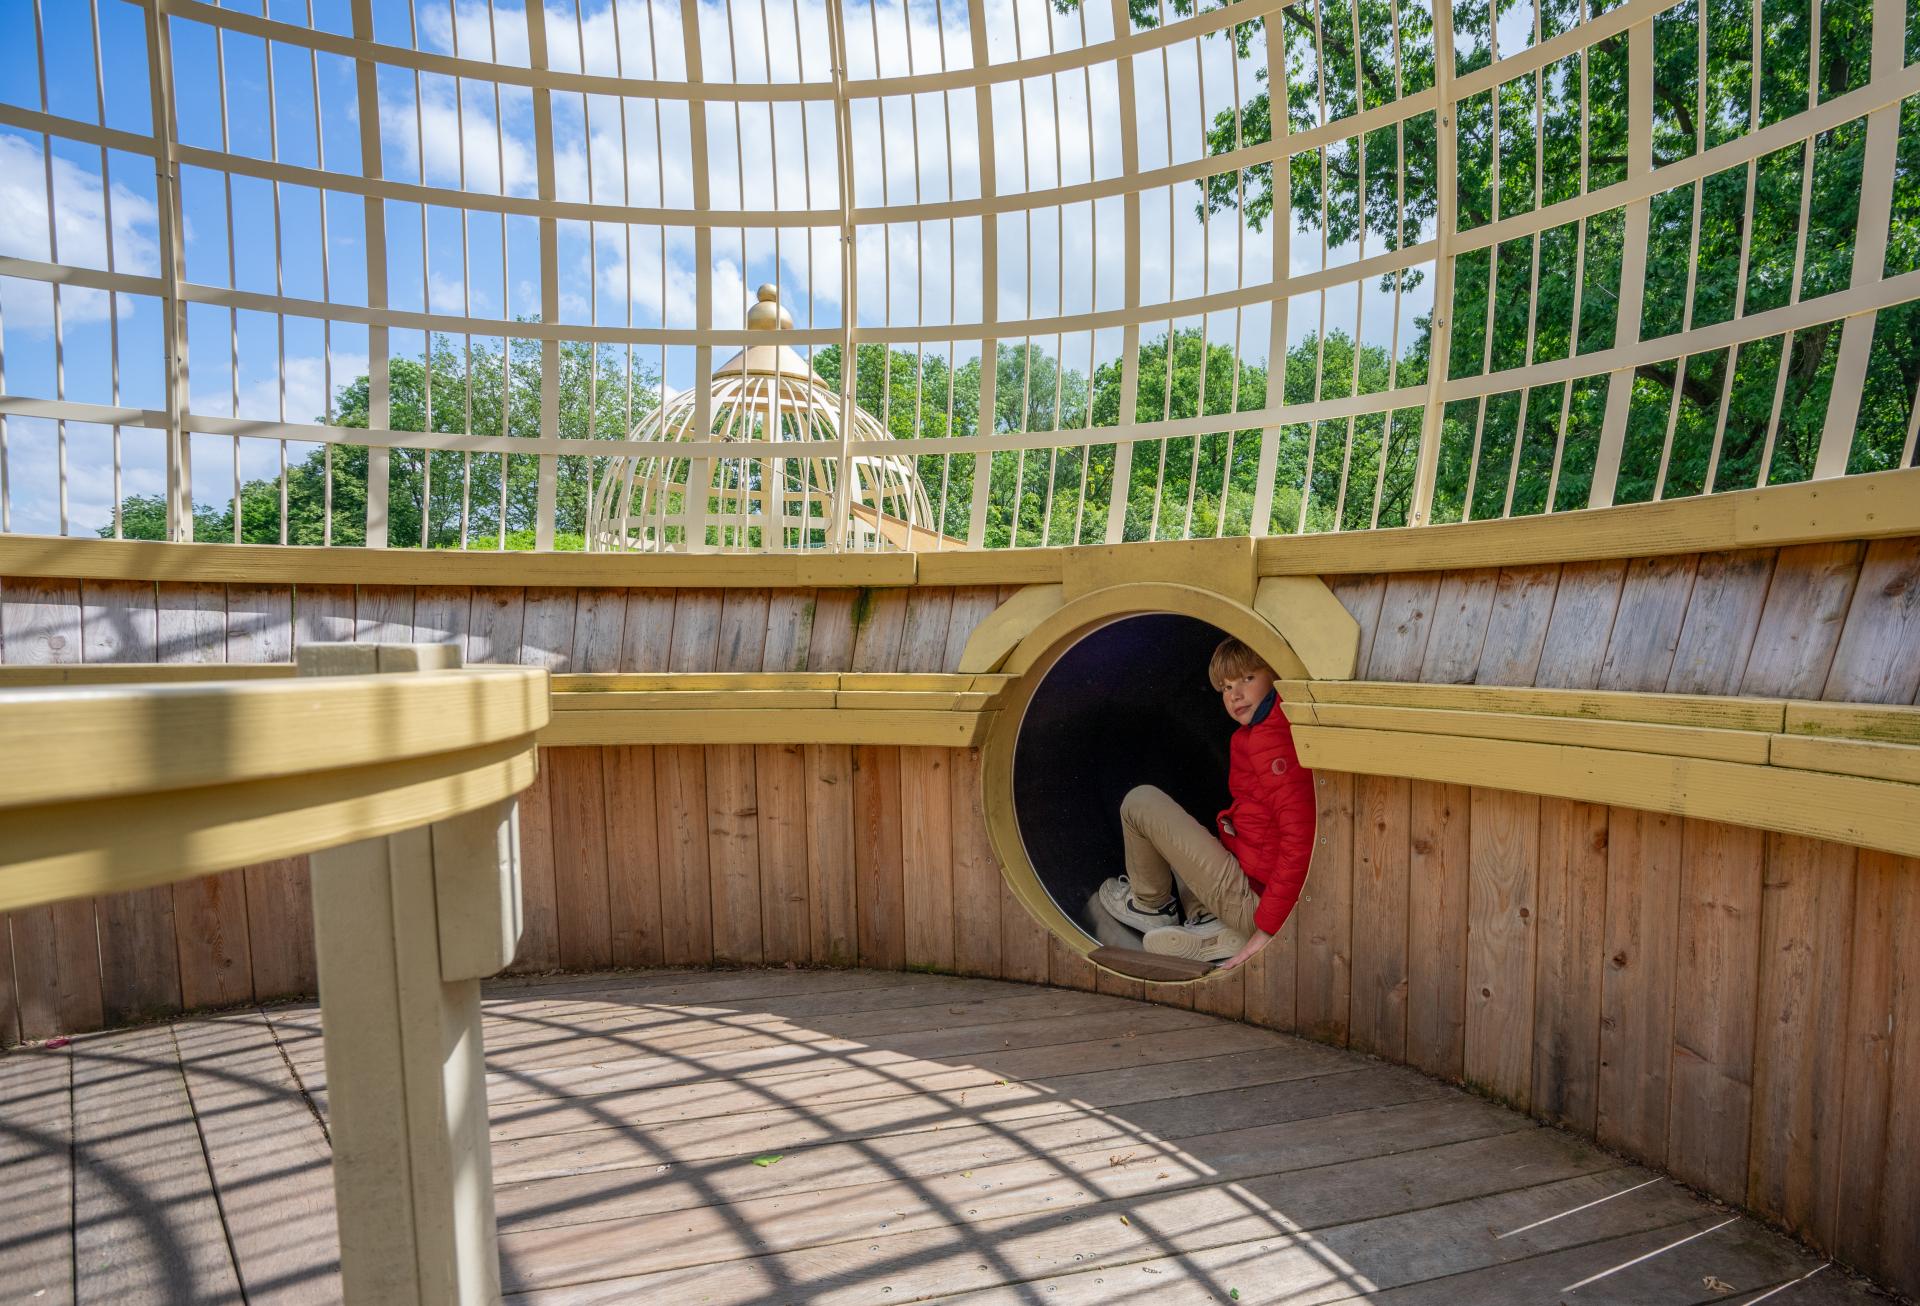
column 1247, row 880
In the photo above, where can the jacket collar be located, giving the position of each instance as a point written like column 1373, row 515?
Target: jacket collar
column 1265, row 709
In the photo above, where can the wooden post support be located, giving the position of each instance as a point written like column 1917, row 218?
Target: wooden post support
column 404, row 928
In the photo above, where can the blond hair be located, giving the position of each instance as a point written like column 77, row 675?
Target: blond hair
column 1232, row 660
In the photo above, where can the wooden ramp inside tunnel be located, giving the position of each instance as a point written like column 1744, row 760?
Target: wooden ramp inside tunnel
column 856, row 1136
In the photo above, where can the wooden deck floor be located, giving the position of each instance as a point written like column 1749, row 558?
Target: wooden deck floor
column 935, row 1138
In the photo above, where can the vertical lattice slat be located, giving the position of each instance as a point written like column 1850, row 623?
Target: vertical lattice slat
column 1633, row 265
column 379, row 381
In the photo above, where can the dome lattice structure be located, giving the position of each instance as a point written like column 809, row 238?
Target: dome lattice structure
column 706, row 499
column 418, row 272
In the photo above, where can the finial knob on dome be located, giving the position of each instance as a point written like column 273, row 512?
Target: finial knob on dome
column 767, row 315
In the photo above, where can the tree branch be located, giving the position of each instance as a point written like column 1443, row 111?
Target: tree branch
column 1337, row 48
column 1705, row 393
column 1681, row 109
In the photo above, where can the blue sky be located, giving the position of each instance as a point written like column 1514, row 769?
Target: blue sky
column 479, row 135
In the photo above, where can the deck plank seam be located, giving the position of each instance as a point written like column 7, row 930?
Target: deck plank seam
column 299, row 1081
column 498, row 1017
column 206, row 1163
column 1195, row 1184
column 843, row 1140
column 1198, row 1020
column 883, row 1097
column 1037, row 1220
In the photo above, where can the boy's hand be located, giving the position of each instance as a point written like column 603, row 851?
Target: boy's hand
column 1252, row 946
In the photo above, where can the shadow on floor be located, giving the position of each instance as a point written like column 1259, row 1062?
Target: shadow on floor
column 827, row 1136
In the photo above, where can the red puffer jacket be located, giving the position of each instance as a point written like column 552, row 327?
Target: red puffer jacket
column 1269, row 825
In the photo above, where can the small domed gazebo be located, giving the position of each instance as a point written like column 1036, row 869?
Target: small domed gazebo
column 764, row 395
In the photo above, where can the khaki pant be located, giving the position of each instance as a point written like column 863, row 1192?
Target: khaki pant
column 1162, row 842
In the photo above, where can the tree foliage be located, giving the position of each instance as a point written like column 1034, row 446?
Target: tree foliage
column 454, row 390
column 1547, row 137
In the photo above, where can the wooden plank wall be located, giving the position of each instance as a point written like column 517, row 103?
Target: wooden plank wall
column 1740, row 1009
column 780, row 821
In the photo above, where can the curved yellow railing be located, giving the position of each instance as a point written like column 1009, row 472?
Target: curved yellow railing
column 1848, row 772
column 110, row 788
column 402, row 785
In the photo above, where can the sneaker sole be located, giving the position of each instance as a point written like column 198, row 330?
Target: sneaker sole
column 1176, row 942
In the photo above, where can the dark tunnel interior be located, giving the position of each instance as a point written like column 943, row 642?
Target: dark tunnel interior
column 1129, row 704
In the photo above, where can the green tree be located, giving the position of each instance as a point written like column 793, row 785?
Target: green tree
column 1764, row 402
column 455, row 389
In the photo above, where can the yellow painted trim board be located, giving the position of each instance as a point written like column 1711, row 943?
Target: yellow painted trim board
column 1878, row 761
column 680, row 681
column 1630, row 736
column 574, row 690
column 1314, row 623
column 1872, row 506
column 140, row 673
column 58, row 851
column 1704, row 710
column 1034, row 566
column 1100, row 606
column 1225, row 566
column 893, row 681
column 999, row 634
column 704, row 700
column 890, row 700
column 1892, row 725
column 625, row 682
column 30, row 555
column 800, row 726
column 1869, row 813
column 977, row 700
column 998, row 739
column 82, row 743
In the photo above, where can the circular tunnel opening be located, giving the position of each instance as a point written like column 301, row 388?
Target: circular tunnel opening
column 1126, row 704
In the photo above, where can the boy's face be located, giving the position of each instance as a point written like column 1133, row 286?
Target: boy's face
column 1243, row 694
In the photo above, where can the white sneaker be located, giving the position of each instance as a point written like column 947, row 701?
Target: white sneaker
column 1183, row 941
column 1205, row 924
column 1116, row 899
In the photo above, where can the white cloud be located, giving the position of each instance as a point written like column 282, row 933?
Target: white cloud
column 34, row 471
column 1048, row 132
column 80, row 226
column 611, row 43
column 306, row 377
column 441, row 141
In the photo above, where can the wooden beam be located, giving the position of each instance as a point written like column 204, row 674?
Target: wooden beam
column 1633, row 736
column 1874, row 761
column 1700, row 710
column 1225, row 566
column 695, row 700
column 1872, row 506
column 140, row 673
column 23, row 555
column 627, row 682
column 125, row 742
column 928, row 726
column 1876, row 506
column 1868, row 813
column 1153, row 597
column 1892, row 725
